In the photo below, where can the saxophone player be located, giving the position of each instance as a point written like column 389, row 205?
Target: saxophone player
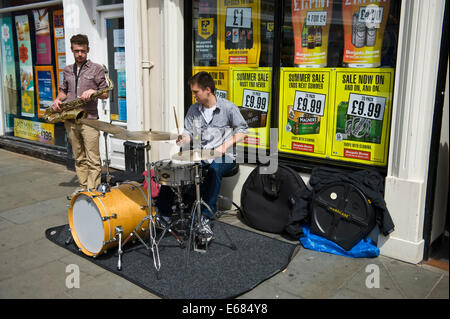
column 82, row 79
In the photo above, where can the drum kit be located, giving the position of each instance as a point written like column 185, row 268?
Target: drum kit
column 111, row 216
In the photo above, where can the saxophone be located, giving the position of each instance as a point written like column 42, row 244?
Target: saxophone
column 73, row 110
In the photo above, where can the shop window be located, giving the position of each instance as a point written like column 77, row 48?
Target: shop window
column 108, row 2
column 319, row 71
column 32, row 60
column 116, row 68
column 233, row 41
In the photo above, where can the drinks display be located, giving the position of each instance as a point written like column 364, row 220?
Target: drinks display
column 311, row 24
column 364, row 25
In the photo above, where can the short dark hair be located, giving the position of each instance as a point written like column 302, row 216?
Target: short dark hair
column 79, row 39
column 204, row 80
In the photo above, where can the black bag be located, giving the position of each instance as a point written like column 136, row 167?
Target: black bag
column 265, row 198
column 342, row 213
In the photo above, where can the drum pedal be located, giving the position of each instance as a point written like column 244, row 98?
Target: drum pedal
column 200, row 244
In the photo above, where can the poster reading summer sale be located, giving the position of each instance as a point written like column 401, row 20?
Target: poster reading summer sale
column 304, row 110
column 251, row 92
column 238, row 32
column 362, row 112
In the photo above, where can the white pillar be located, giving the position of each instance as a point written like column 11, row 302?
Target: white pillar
column 414, row 96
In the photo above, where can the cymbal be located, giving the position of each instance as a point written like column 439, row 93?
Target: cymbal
column 199, row 155
column 103, row 126
column 146, row 136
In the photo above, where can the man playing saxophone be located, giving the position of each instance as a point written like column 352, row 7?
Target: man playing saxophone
column 83, row 79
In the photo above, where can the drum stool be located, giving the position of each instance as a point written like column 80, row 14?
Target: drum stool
column 232, row 172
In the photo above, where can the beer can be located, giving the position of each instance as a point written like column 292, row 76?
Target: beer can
column 360, row 128
column 371, row 36
column 376, row 129
column 358, row 32
column 341, row 120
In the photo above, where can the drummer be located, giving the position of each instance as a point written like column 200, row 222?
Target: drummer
column 211, row 123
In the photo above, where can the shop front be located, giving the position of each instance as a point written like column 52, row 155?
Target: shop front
column 346, row 84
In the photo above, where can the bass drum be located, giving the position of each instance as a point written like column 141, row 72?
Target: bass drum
column 93, row 216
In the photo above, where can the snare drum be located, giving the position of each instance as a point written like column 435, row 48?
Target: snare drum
column 93, row 216
column 176, row 173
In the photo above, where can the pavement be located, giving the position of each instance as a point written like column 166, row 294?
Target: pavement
column 33, row 198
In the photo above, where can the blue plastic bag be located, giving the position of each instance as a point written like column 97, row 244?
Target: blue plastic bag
column 366, row 248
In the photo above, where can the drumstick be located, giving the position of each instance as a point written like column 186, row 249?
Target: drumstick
column 176, row 120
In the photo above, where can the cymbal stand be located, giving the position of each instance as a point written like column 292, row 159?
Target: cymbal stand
column 105, row 187
column 152, row 229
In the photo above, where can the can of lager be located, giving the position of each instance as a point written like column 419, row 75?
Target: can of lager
column 358, row 31
column 360, row 128
column 341, row 120
column 376, row 129
column 371, row 36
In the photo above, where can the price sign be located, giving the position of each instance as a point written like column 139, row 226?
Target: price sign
column 372, row 14
column 370, row 107
column 311, row 103
column 239, row 17
column 255, row 100
column 221, row 93
column 316, row 18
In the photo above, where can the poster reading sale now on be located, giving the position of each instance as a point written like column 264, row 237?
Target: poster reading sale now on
column 304, row 110
column 220, row 76
column 361, row 119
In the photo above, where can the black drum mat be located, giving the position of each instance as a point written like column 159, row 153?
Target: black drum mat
column 218, row 273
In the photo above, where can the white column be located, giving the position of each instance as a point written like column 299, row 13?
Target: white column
column 133, row 57
column 173, row 71
column 414, row 95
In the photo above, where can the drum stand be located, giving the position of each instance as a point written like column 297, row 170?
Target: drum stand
column 167, row 226
column 153, row 244
column 196, row 222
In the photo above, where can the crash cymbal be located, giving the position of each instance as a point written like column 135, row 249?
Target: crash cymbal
column 146, row 136
column 200, row 155
column 103, row 126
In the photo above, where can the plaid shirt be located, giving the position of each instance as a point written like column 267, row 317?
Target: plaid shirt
column 226, row 121
column 91, row 76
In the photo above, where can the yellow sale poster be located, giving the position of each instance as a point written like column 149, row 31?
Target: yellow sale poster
column 304, row 110
column 250, row 90
column 238, row 32
column 35, row 131
column 220, row 76
column 362, row 111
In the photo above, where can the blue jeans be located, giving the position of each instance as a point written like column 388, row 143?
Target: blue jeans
column 209, row 189
column 211, row 186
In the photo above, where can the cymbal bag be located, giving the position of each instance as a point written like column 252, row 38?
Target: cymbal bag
column 342, row 213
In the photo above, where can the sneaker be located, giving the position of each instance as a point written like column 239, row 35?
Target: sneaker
column 76, row 191
column 205, row 230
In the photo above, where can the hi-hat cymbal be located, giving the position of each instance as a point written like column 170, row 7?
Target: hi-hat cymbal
column 146, row 136
column 196, row 155
column 103, row 126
